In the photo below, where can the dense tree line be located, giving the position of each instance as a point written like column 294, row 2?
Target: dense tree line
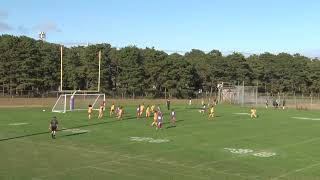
column 31, row 65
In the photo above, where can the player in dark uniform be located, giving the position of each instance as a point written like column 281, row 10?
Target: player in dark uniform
column 168, row 104
column 53, row 127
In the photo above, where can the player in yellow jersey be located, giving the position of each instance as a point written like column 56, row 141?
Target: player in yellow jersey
column 112, row 109
column 253, row 113
column 141, row 109
column 148, row 112
column 211, row 112
column 152, row 108
column 90, row 110
column 155, row 118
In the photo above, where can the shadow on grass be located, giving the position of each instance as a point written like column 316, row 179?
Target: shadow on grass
column 172, row 126
column 74, row 134
column 80, row 126
column 176, row 121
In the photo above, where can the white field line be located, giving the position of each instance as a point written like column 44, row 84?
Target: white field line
column 114, row 161
column 115, row 172
column 276, row 147
column 300, row 142
column 78, row 168
column 17, row 124
column 126, row 156
column 295, row 171
column 211, row 162
column 306, row 118
column 170, row 172
column 242, row 113
column 174, row 163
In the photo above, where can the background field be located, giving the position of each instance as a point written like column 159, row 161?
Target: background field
column 196, row 147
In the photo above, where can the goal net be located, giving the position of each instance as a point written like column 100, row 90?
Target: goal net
column 246, row 95
column 77, row 102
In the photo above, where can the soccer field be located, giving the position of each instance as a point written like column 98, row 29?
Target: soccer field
column 279, row 144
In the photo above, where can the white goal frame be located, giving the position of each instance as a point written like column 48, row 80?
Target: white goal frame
column 66, row 108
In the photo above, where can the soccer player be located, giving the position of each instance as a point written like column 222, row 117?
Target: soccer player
column 190, row 101
column 138, row 111
column 90, row 111
column 267, row 103
column 283, row 103
column 148, row 110
column 168, row 104
column 141, row 109
column 101, row 111
column 160, row 120
column 120, row 113
column 152, row 108
column 104, row 105
column 253, row 113
column 173, row 117
column 155, row 118
column 117, row 111
column 204, row 109
column 112, row 109
column 211, row 112
column 53, row 126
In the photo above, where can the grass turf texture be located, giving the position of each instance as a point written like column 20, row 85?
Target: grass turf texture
column 196, row 149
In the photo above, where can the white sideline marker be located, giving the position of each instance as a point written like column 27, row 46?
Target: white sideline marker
column 305, row 118
column 17, row 124
column 241, row 113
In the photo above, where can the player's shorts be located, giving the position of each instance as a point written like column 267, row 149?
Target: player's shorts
column 53, row 128
column 159, row 124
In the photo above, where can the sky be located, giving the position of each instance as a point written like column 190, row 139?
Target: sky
column 247, row 26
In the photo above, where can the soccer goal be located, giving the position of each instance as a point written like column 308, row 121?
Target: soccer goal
column 77, row 102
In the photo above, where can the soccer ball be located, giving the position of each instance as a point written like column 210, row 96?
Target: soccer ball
column 43, row 110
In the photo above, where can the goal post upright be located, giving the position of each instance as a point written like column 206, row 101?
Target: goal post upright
column 70, row 96
column 99, row 71
column 61, row 70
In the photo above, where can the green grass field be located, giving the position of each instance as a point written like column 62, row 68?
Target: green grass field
column 274, row 146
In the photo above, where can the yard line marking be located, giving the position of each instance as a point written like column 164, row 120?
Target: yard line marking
column 214, row 162
column 163, row 161
column 122, row 155
column 241, row 113
column 300, row 142
column 112, row 171
column 306, row 118
column 295, row 171
column 17, row 124
column 100, row 163
column 171, row 172
column 64, row 147
column 84, row 167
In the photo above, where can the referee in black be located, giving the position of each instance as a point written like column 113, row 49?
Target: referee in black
column 53, row 126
